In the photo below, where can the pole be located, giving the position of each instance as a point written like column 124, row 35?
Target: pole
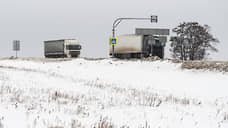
column 17, row 45
column 113, row 35
column 16, row 48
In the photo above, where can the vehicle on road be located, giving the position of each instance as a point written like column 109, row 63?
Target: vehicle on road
column 144, row 43
column 61, row 48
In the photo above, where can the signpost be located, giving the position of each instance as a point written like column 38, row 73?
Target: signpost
column 16, row 46
column 153, row 18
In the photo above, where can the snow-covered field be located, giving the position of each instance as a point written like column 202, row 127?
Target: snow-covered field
column 109, row 93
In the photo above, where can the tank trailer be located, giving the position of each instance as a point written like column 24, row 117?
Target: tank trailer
column 144, row 43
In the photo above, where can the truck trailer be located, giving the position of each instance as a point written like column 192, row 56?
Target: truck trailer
column 61, row 48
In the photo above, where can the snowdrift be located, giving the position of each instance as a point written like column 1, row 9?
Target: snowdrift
column 107, row 93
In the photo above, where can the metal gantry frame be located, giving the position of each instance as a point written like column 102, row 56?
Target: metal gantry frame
column 153, row 18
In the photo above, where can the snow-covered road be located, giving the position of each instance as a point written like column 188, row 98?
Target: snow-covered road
column 86, row 93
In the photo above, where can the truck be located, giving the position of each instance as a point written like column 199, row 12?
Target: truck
column 61, row 48
column 144, row 43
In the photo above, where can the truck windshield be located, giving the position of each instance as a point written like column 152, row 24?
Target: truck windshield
column 73, row 47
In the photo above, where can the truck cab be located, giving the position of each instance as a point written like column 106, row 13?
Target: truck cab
column 72, row 49
column 154, row 46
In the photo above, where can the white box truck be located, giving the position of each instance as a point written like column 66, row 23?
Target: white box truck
column 61, row 48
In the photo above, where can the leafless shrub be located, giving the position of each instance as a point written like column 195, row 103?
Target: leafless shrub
column 154, row 101
column 56, row 95
column 17, row 96
column 206, row 65
column 183, row 101
column 119, row 90
column 104, row 122
column 146, row 125
column 76, row 124
column 149, row 99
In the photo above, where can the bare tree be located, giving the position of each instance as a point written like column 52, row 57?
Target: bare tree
column 192, row 41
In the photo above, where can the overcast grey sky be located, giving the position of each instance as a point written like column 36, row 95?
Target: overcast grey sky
column 90, row 22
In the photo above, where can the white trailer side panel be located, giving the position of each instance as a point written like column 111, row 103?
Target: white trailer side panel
column 128, row 44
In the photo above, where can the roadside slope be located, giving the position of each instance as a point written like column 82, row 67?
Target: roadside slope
column 84, row 93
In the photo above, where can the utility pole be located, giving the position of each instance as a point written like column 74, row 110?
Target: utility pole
column 153, row 18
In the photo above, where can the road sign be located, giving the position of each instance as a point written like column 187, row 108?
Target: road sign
column 154, row 18
column 16, row 45
column 113, row 41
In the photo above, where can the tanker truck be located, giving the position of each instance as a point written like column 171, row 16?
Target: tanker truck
column 144, row 43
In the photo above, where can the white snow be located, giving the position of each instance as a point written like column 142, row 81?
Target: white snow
column 86, row 93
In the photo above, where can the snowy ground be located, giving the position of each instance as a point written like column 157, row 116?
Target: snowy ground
column 110, row 94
